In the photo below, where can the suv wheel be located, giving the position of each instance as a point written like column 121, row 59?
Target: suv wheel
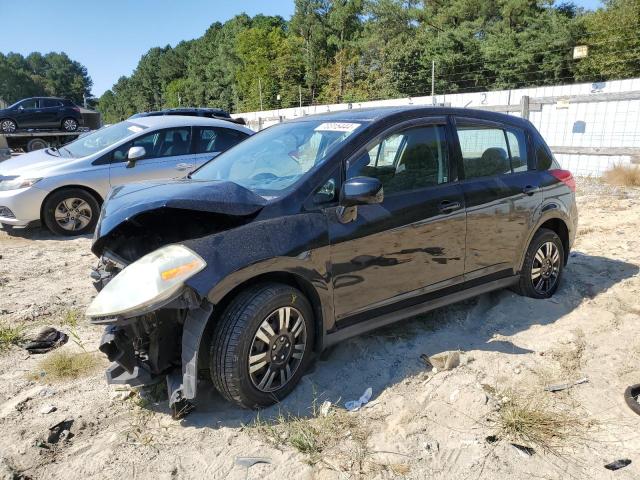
column 261, row 345
column 71, row 212
column 8, row 126
column 70, row 125
column 543, row 265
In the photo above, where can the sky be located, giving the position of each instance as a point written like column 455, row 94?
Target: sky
column 109, row 37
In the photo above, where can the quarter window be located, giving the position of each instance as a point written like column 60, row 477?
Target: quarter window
column 406, row 160
column 489, row 150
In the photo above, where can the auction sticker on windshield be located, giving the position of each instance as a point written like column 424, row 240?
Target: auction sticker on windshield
column 337, row 127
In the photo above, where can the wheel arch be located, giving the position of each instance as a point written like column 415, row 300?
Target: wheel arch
column 12, row 119
column 89, row 190
column 557, row 224
column 283, row 277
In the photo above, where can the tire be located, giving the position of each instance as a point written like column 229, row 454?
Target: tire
column 239, row 334
column 8, row 126
column 83, row 209
column 69, row 124
column 36, row 144
column 540, row 278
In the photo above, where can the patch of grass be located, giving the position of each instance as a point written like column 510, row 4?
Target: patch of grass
column 64, row 365
column 9, row 336
column 570, row 355
column 623, row 175
column 71, row 318
column 531, row 420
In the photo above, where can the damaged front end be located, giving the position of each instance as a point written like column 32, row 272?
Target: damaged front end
column 154, row 323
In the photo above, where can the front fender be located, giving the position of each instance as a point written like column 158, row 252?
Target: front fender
column 296, row 244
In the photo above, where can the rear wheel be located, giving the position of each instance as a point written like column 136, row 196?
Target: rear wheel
column 262, row 345
column 543, row 265
column 8, row 126
column 69, row 124
column 36, row 144
column 71, row 211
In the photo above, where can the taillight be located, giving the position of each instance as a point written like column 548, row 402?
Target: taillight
column 77, row 109
column 565, row 177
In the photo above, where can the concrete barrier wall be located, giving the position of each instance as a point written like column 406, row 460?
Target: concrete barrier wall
column 588, row 117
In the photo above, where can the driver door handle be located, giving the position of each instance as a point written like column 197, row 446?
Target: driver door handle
column 530, row 190
column 447, row 206
column 184, row 166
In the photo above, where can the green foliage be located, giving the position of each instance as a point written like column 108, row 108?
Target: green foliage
column 53, row 74
column 356, row 50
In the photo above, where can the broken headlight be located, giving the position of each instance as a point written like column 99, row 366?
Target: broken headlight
column 147, row 284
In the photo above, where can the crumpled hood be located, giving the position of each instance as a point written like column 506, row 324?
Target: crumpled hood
column 38, row 164
column 127, row 201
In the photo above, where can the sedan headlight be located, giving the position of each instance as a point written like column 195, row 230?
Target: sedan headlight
column 16, row 183
column 147, row 284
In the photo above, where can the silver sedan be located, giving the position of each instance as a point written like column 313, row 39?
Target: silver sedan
column 64, row 187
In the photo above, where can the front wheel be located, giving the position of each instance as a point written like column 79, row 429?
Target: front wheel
column 543, row 265
column 8, row 126
column 261, row 345
column 71, row 211
column 70, row 125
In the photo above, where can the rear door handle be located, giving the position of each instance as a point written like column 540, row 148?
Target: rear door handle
column 447, row 207
column 184, row 166
column 530, row 190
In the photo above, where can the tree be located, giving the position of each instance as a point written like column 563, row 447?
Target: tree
column 611, row 33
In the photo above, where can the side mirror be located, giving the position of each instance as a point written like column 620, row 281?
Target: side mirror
column 361, row 191
column 135, row 153
column 20, row 107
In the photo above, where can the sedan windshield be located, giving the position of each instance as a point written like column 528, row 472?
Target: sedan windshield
column 100, row 139
column 274, row 159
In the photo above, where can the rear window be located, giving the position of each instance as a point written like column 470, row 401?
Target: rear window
column 48, row 103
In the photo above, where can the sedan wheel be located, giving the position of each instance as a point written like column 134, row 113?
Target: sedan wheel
column 542, row 268
column 8, row 126
column 277, row 349
column 546, row 268
column 71, row 211
column 73, row 214
column 261, row 344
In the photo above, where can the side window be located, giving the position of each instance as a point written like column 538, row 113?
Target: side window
column 50, row 103
column 484, row 150
column 518, row 149
column 407, row 160
column 31, row 103
column 216, row 139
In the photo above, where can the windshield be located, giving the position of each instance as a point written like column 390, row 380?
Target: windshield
column 274, row 159
column 100, row 139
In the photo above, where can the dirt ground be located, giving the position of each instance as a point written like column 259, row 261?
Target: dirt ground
column 419, row 424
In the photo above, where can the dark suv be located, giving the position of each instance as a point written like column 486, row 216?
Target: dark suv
column 319, row 229
column 41, row 112
column 216, row 113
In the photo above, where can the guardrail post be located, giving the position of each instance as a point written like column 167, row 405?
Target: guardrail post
column 524, row 107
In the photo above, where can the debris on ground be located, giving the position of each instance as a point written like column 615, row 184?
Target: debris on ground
column 354, row 405
column 46, row 340
column 523, row 450
column 618, row 464
column 564, row 386
column 251, row 461
column 445, row 360
column 632, row 398
column 47, row 409
column 60, row 431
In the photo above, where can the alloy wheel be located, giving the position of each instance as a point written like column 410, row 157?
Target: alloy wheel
column 546, row 268
column 70, row 125
column 8, row 126
column 73, row 214
column 277, row 349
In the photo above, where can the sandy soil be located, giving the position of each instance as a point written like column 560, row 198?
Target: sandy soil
column 419, row 424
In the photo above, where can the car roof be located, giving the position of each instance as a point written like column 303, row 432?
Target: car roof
column 373, row 114
column 167, row 121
